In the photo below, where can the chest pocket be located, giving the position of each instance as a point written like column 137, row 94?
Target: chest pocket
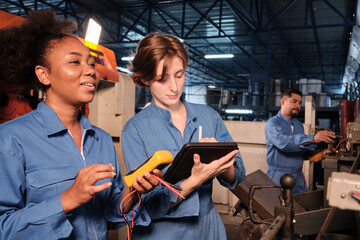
column 47, row 182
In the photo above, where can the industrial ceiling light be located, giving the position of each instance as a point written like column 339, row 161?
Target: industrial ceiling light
column 219, row 56
column 238, row 111
column 93, row 32
column 127, row 58
column 125, row 70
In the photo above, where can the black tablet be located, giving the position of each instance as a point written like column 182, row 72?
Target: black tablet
column 184, row 160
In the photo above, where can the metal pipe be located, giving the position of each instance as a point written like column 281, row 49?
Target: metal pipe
column 274, row 228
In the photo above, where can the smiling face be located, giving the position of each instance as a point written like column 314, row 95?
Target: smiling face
column 290, row 106
column 72, row 77
column 166, row 92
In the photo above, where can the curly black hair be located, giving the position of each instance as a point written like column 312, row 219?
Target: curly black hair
column 26, row 46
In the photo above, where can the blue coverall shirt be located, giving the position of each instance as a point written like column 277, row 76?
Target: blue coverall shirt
column 151, row 130
column 285, row 154
column 39, row 159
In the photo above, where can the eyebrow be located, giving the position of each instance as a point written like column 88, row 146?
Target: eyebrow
column 80, row 55
column 181, row 70
column 159, row 76
column 75, row 53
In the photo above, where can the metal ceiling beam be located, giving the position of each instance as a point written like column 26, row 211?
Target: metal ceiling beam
column 200, row 19
column 244, row 19
column 133, row 24
column 79, row 20
column 285, row 40
column 183, row 19
column 149, row 20
column 220, row 16
column 339, row 13
column 167, row 23
column 46, row 3
column 237, row 15
column 309, row 27
column 191, row 49
column 260, row 13
column 23, row 6
column 19, row 5
column 194, row 50
column 313, row 21
column 140, row 19
column 274, row 19
column 145, row 25
column 233, row 42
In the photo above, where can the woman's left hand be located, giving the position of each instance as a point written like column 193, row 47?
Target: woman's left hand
column 228, row 174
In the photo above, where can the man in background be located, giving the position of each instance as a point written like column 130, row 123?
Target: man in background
column 287, row 143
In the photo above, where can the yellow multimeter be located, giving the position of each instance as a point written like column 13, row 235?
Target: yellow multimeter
column 159, row 160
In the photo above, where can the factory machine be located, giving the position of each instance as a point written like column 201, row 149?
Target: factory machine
column 331, row 212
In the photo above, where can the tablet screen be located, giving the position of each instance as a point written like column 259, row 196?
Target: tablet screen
column 183, row 162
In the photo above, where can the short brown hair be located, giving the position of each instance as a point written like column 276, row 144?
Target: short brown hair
column 288, row 92
column 150, row 51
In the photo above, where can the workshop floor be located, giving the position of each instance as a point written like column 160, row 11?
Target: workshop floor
column 232, row 226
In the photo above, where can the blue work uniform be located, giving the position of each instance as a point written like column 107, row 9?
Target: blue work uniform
column 39, row 160
column 285, row 154
column 151, row 130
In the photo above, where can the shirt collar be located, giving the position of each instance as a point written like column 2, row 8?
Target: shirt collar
column 165, row 114
column 52, row 122
column 284, row 118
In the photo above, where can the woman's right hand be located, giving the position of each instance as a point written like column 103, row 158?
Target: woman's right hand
column 201, row 172
column 147, row 183
column 83, row 189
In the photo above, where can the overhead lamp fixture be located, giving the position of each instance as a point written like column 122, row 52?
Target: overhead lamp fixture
column 239, row 111
column 219, row 56
column 93, row 31
column 130, row 58
column 125, row 70
column 211, row 86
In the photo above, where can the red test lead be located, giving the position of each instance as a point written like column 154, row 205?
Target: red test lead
column 168, row 186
